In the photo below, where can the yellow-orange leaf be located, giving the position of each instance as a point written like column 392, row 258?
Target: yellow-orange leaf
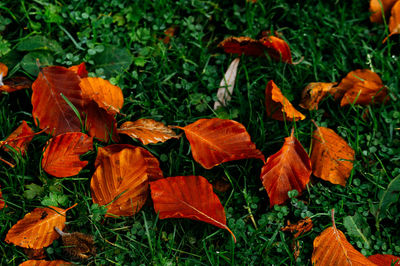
column 315, row 92
column 20, row 138
column 80, row 70
column 384, row 260
column 394, row 22
column 121, row 180
column 215, row 141
column 278, row 107
column 299, row 228
column 147, row 131
column 45, row 263
column 376, row 9
column 331, row 157
column 36, row 229
column 288, row 169
column 107, row 96
column 3, row 72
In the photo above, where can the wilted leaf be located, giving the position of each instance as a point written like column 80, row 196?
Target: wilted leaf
column 332, row 248
column 331, row 157
column 2, row 203
column 147, row 131
column 278, row 49
column 394, row 21
column 120, row 181
column 47, row 89
column 80, row 70
column 38, row 42
column 15, row 84
column 288, row 169
column 35, row 254
column 29, row 61
column 384, row 259
column 36, row 229
column 215, row 141
column 242, row 45
column 113, row 60
column 227, row 84
column 277, row 106
column 190, row 197
column 358, row 227
column 45, row 263
column 20, row 138
column 107, row 96
column 315, row 92
column 299, row 228
column 77, row 245
column 99, row 123
column 61, row 156
column 376, row 9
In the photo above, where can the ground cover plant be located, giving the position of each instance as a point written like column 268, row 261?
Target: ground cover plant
column 305, row 80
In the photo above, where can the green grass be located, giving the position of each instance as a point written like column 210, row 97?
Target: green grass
column 177, row 83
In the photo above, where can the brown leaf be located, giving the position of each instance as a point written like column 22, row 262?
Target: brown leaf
column 190, row 197
column 147, row 131
column 35, row 254
column 278, row 49
column 215, row 141
column 278, row 107
column 227, row 84
column 316, row 92
column 286, row 170
column 15, row 84
column 77, row 245
column 331, row 157
column 376, row 9
column 80, row 70
column 242, row 45
column 61, row 157
column 99, row 123
column 45, row 263
column 299, row 228
column 384, row 259
column 20, row 138
column 49, row 108
column 332, row 248
column 36, row 229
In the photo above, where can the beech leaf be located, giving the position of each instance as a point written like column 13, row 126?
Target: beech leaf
column 278, row 49
column 45, row 263
column 242, row 45
column 376, row 9
column 316, row 92
column 20, row 138
column 384, row 260
column 2, row 203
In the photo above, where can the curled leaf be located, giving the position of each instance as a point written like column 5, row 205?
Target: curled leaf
column 316, row 92
column 394, row 21
column 2, row 203
column 3, row 72
column 299, row 228
column 20, row 138
column 227, row 84
column 99, row 123
column 242, row 45
column 375, row 8
column 278, row 49
column 77, row 245
column 15, row 84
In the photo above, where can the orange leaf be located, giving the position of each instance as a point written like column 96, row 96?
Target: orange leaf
column 169, row 33
column 288, row 169
column 99, row 123
column 301, row 227
column 36, row 229
column 2, row 203
column 215, row 141
column 147, row 131
column 384, row 259
column 242, row 45
column 315, row 92
column 332, row 248
column 45, row 263
column 3, row 72
column 20, row 138
column 61, row 156
column 331, row 157
column 121, row 180
column 376, row 9
column 394, row 21
column 277, row 106
column 278, row 49
column 16, row 84
column 49, row 107
column 80, row 70
column 190, row 197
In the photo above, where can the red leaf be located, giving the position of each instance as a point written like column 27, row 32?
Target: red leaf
column 278, row 49
column 2, row 203
column 20, row 138
column 80, row 70
column 242, row 45
column 384, row 259
column 61, row 157
column 190, row 197
column 99, row 123
column 288, row 169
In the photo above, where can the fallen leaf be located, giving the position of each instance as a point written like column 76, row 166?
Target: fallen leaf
column 332, row 248
column 227, row 84
column 384, row 259
column 35, row 254
column 190, row 197
column 215, row 141
column 242, row 45
column 2, row 203
column 36, row 229
column 316, row 92
column 15, row 84
column 107, row 96
column 80, row 70
column 331, row 157
column 45, row 263
column 99, row 123
column 221, row 185
column 394, row 21
column 278, row 49
column 286, row 170
column 77, row 245
column 120, row 181
column 48, row 88
column 376, row 9
column 20, row 138
column 61, row 158
column 299, row 228
column 365, row 93
column 3, row 72
column 147, row 131
column 277, row 106
column 169, row 33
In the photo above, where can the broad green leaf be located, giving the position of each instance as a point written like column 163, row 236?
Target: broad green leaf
column 38, row 42
column 113, row 60
column 388, row 197
column 32, row 190
column 358, row 227
column 28, row 63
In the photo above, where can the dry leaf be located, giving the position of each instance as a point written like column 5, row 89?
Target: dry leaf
column 80, row 70
column 278, row 49
column 299, row 228
column 3, row 72
column 35, row 254
column 99, row 123
column 61, row 157
column 169, row 33
column 36, row 229
column 376, row 9
column 332, row 248
column 316, row 92
column 227, row 84
column 147, row 131
column 20, row 138
column 215, row 141
column 15, row 84
column 394, row 21
column 77, row 245
column 384, row 259
column 242, row 45
column 277, row 106
column 45, row 263
column 190, row 197
column 286, row 170
column 2, row 203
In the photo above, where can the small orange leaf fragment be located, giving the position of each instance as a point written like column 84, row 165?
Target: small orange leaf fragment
column 147, row 131
column 286, row 170
column 20, row 138
column 80, row 70
column 316, row 92
column 2, row 203
column 331, row 157
column 190, row 197
column 169, row 33
column 299, row 228
column 36, row 229
column 278, row 107
column 384, row 259
column 15, row 84
column 45, row 263
column 278, row 49
column 3, row 72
